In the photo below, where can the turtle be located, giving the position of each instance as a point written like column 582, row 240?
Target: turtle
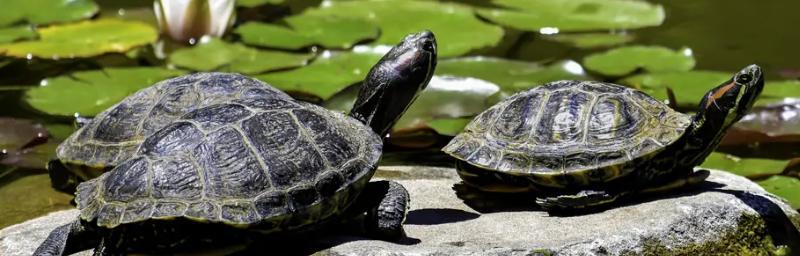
column 584, row 144
column 254, row 167
column 112, row 136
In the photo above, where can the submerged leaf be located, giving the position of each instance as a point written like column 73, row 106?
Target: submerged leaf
column 748, row 167
column 457, row 29
column 218, row 55
column 574, row 15
column 89, row 92
column 778, row 123
column 42, row 12
column 30, row 196
column 254, row 3
column 18, row 133
column 84, row 39
column 325, row 76
column 621, row 61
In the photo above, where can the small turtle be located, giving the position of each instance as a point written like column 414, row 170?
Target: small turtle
column 114, row 134
column 254, row 166
column 577, row 144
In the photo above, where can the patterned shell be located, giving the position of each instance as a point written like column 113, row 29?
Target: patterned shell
column 114, row 134
column 568, row 126
column 248, row 161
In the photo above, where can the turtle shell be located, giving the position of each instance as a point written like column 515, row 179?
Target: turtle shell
column 568, row 127
column 114, row 134
column 270, row 161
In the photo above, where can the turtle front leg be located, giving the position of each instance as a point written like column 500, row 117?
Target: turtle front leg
column 582, row 199
column 387, row 209
column 61, row 178
column 66, row 240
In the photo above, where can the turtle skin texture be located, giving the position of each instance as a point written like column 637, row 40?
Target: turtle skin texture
column 566, row 137
column 266, row 163
column 114, row 134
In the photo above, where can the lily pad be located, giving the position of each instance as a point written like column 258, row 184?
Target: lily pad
column 591, row 40
column 12, row 34
column 216, row 55
column 465, row 97
column 89, row 92
column 45, row 11
column 325, row 76
column 457, row 29
column 510, row 75
column 331, row 32
column 621, row 61
column 84, row 39
column 254, row 3
column 748, row 167
column 689, row 87
column 778, row 91
column 574, row 15
column 449, row 126
column 783, row 186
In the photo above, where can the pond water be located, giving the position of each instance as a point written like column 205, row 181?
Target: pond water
column 722, row 35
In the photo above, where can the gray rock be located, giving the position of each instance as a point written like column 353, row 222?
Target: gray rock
column 727, row 215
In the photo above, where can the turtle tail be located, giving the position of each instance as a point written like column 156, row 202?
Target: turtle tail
column 68, row 239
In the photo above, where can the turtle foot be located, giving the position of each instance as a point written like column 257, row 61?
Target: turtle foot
column 385, row 217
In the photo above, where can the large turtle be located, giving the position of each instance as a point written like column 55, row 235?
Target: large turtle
column 253, row 166
column 577, row 144
column 114, row 134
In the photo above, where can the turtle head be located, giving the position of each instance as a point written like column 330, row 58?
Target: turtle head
column 730, row 101
column 395, row 81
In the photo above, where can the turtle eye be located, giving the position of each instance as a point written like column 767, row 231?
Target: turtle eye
column 428, row 46
column 744, row 78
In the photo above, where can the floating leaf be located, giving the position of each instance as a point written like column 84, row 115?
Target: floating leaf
column 591, row 40
column 621, row 61
column 90, row 92
column 748, row 167
column 12, row 34
column 35, row 157
column 778, row 91
column 689, row 86
column 457, row 29
column 254, row 3
column 84, row 39
column 305, row 30
column 783, row 186
column 215, row 54
column 574, row 15
column 449, row 126
column 510, row 75
column 325, row 76
column 45, row 11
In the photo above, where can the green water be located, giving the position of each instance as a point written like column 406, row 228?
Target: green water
column 724, row 35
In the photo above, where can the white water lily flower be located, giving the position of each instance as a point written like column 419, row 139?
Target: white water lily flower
column 188, row 20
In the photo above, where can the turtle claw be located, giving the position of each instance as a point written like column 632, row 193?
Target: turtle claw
column 385, row 217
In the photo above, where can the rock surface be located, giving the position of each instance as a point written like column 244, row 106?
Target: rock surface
column 726, row 215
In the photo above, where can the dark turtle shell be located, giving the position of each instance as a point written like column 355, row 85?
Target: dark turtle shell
column 114, row 134
column 568, row 127
column 271, row 161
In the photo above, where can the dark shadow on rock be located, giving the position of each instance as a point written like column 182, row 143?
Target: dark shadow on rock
column 779, row 226
column 485, row 202
column 436, row 216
